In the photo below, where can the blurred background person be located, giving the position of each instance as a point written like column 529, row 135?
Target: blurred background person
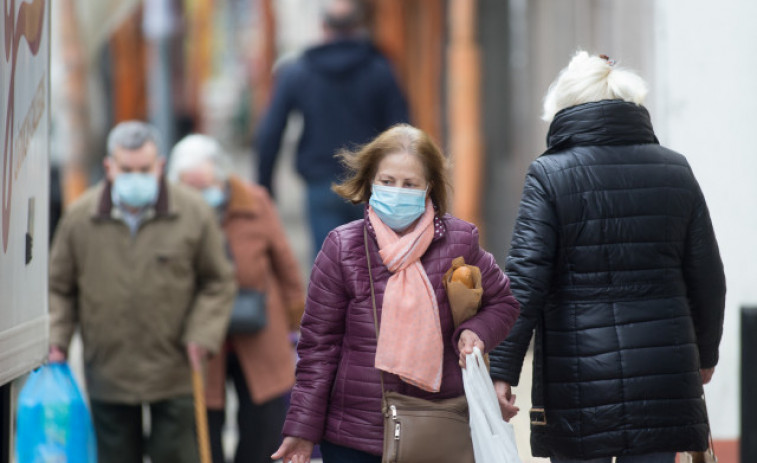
column 347, row 94
column 138, row 265
column 616, row 266
column 260, row 364
column 412, row 241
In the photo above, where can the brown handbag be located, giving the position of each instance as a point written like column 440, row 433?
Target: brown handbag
column 418, row 430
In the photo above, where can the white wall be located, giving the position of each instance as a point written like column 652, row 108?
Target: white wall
column 705, row 94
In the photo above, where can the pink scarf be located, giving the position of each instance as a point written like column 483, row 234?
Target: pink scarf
column 410, row 339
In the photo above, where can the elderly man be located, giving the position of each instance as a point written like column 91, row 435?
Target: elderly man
column 140, row 267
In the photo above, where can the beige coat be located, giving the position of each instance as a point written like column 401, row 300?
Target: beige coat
column 138, row 300
column 263, row 261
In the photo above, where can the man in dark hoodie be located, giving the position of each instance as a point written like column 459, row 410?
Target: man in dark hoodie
column 347, row 94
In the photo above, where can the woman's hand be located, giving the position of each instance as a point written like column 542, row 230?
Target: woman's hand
column 468, row 340
column 506, row 399
column 56, row 355
column 294, row 450
column 706, row 374
column 197, row 355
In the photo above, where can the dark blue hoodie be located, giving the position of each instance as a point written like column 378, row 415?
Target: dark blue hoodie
column 347, row 94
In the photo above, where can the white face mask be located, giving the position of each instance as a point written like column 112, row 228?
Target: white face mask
column 136, row 189
column 397, row 207
column 214, row 196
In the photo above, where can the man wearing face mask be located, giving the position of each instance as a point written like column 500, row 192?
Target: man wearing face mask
column 139, row 266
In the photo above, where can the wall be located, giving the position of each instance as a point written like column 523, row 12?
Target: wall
column 706, row 60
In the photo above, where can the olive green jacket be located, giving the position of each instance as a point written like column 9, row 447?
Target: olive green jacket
column 139, row 299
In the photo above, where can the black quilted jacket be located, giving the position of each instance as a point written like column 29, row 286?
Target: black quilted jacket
column 616, row 268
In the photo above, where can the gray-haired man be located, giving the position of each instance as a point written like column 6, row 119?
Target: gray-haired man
column 138, row 265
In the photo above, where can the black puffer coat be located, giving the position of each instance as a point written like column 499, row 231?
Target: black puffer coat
column 616, row 267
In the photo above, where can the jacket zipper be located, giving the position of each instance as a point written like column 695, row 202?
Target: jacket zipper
column 396, row 423
column 395, row 457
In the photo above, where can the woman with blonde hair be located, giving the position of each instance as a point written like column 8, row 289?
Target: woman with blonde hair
column 411, row 240
column 260, row 363
column 615, row 264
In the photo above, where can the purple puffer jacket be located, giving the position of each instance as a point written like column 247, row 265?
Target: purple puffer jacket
column 337, row 396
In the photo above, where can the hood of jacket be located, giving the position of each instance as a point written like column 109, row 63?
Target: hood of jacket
column 340, row 56
column 605, row 122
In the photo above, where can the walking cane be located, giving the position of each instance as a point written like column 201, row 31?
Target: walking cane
column 201, row 416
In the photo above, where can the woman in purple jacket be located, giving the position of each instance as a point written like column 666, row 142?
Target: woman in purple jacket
column 336, row 400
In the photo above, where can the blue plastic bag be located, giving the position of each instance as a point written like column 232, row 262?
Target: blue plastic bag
column 53, row 422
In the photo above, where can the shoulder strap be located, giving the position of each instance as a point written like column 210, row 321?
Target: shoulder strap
column 373, row 296
column 711, row 449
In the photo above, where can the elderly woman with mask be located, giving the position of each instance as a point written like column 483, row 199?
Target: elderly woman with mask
column 261, row 364
column 401, row 177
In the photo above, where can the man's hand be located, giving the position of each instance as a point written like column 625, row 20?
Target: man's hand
column 506, row 399
column 56, row 355
column 294, row 450
column 197, row 355
column 468, row 340
column 706, row 374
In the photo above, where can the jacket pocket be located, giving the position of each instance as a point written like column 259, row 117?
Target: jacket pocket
column 170, row 285
column 173, row 265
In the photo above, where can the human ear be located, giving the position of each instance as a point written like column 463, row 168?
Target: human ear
column 110, row 169
column 160, row 167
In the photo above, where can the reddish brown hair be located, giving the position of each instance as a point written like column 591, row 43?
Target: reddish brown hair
column 362, row 164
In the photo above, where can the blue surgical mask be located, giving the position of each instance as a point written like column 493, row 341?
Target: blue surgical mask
column 397, row 207
column 135, row 189
column 214, row 196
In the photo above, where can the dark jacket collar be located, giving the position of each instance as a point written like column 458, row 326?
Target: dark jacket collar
column 606, row 122
column 163, row 206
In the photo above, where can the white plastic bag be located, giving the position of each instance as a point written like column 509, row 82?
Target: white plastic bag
column 493, row 437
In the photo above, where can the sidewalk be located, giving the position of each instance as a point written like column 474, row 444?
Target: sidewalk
column 521, row 422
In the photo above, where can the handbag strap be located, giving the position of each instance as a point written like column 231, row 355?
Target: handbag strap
column 709, row 427
column 373, row 298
